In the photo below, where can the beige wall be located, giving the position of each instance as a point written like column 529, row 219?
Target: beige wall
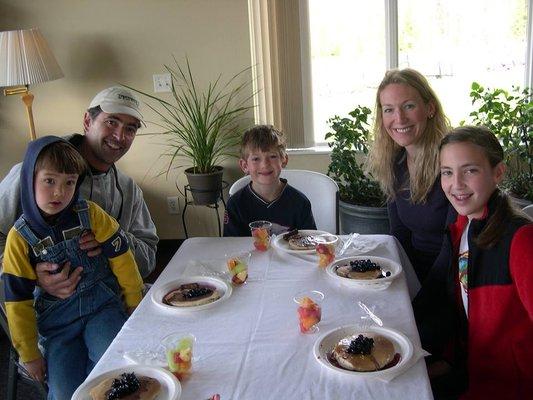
column 100, row 43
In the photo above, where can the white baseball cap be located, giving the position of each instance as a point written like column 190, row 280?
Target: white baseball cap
column 118, row 100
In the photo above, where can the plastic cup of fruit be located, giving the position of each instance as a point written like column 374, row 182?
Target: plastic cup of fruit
column 179, row 353
column 238, row 267
column 261, row 234
column 326, row 250
column 309, row 310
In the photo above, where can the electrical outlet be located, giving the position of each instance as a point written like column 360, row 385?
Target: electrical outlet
column 162, row 83
column 173, row 205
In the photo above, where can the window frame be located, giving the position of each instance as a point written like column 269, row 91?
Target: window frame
column 273, row 39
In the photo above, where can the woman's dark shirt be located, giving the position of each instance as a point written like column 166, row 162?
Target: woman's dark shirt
column 419, row 227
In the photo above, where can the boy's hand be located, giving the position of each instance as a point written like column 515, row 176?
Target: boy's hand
column 57, row 284
column 36, row 369
column 88, row 243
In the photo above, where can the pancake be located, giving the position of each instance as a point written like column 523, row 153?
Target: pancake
column 191, row 295
column 361, row 269
column 346, row 272
column 357, row 353
column 290, row 234
column 303, row 242
column 148, row 389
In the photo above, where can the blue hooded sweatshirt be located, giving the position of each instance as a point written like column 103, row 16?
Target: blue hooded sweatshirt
column 67, row 218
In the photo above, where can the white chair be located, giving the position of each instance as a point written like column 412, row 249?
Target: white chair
column 320, row 189
column 528, row 210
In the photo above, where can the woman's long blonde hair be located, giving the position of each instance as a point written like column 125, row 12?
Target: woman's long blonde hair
column 384, row 153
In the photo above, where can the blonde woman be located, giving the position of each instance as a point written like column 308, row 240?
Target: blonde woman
column 408, row 128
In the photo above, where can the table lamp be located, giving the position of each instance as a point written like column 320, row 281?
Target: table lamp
column 26, row 59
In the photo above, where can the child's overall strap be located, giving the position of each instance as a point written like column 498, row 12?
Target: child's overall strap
column 82, row 209
column 38, row 246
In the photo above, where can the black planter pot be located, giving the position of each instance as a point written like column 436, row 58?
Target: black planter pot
column 364, row 220
column 205, row 188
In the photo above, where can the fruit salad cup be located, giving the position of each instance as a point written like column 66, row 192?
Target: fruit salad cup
column 238, row 267
column 261, row 234
column 309, row 310
column 179, row 353
column 326, row 250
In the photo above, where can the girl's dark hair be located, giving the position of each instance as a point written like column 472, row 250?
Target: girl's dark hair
column 61, row 157
column 501, row 204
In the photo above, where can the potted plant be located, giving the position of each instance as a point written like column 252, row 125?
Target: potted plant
column 509, row 114
column 201, row 127
column 361, row 205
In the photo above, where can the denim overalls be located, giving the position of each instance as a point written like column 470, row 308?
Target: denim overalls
column 74, row 332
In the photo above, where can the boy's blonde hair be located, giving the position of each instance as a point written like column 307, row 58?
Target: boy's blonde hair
column 263, row 137
column 61, row 157
column 385, row 151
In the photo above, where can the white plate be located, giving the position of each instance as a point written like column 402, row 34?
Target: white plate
column 159, row 292
column 326, row 342
column 381, row 283
column 283, row 245
column 170, row 386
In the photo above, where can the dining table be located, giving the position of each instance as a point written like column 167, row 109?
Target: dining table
column 249, row 346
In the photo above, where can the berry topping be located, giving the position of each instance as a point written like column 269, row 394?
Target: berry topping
column 361, row 345
column 363, row 266
column 125, row 385
column 196, row 292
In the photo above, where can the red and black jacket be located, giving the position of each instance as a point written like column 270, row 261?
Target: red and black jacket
column 495, row 343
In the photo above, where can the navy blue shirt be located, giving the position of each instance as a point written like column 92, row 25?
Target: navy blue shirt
column 292, row 209
column 419, row 227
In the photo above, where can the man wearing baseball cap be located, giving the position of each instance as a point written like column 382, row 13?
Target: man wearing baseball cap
column 110, row 125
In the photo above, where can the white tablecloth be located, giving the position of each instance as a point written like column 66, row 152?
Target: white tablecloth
column 250, row 347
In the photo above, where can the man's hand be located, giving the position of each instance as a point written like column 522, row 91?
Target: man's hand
column 36, row 369
column 88, row 243
column 58, row 284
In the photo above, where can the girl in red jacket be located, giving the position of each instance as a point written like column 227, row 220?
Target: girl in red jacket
column 483, row 276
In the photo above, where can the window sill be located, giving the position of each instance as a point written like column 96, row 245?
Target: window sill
column 310, row 150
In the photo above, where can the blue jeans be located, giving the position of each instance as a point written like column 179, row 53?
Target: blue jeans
column 75, row 332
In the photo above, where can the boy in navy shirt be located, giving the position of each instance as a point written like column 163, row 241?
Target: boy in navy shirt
column 267, row 197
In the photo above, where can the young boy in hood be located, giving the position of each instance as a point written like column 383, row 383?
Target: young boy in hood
column 73, row 333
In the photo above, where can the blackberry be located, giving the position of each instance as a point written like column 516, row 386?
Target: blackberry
column 363, row 265
column 126, row 384
column 361, row 345
column 197, row 292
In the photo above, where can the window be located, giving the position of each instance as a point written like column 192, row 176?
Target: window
column 456, row 42
column 326, row 57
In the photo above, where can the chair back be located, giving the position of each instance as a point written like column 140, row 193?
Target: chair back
column 15, row 371
column 528, row 210
column 320, row 189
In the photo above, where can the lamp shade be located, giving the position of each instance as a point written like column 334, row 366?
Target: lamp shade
column 26, row 59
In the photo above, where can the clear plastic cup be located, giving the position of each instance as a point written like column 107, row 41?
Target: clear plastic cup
column 237, row 264
column 309, row 310
column 179, row 353
column 325, row 249
column 261, row 234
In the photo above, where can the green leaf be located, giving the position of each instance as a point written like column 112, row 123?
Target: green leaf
column 204, row 126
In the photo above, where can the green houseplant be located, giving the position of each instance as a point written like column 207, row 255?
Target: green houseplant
column 201, row 127
column 361, row 206
column 509, row 114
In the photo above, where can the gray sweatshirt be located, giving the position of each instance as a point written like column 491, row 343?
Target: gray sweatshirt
column 103, row 189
